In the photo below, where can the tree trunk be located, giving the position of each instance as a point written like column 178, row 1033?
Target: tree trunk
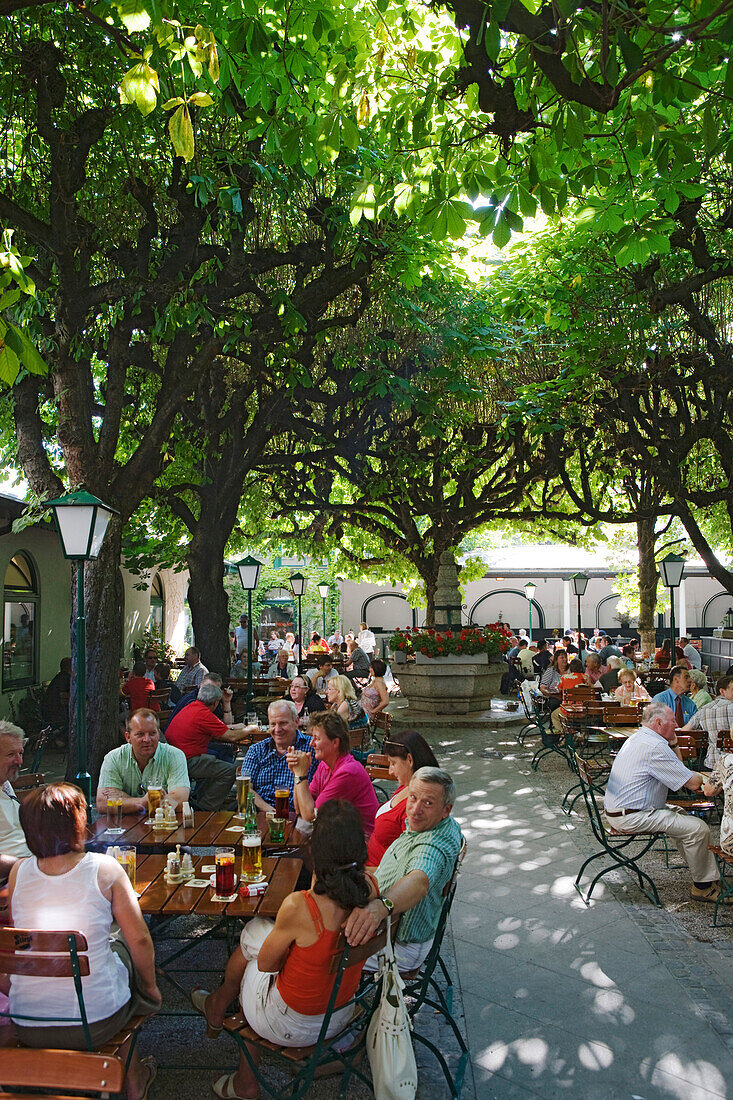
column 648, row 579
column 103, row 609
column 428, row 569
column 207, row 596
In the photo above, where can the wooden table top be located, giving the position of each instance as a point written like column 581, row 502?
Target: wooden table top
column 160, row 898
column 223, row 829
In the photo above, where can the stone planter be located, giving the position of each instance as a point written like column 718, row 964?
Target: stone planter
column 453, row 659
column 400, row 658
column 453, row 685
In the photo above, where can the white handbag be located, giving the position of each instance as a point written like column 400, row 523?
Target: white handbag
column 389, row 1043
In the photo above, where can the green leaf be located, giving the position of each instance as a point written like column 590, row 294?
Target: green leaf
column 502, row 234
column 25, row 350
column 709, row 131
column 349, row 134
column 133, row 14
column 9, row 362
column 492, row 40
column 632, row 55
column 181, row 132
column 139, row 86
column 201, row 99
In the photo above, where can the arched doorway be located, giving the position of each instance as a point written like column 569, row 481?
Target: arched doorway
column 21, row 597
column 387, row 611
column 156, row 618
column 508, row 604
column 607, row 616
column 716, row 607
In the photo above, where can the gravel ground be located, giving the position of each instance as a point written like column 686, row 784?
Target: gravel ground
column 553, row 779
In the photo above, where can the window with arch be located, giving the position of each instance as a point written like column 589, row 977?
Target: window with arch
column 20, row 623
column 156, row 618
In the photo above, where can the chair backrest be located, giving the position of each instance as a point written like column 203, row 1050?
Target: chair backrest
column 688, row 748
column 583, row 770
column 382, row 720
column 66, row 1071
column 28, row 782
column 620, row 715
column 342, row 958
column 42, row 954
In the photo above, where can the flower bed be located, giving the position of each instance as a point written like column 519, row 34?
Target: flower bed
column 466, row 642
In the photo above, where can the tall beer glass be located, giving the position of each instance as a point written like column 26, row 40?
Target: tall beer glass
column 224, row 863
column 252, row 857
column 243, row 787
column 114, row 813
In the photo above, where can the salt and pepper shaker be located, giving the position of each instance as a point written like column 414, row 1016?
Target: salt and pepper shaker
column 187, row 866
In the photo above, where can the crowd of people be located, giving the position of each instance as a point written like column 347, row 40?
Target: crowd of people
column 369, row 861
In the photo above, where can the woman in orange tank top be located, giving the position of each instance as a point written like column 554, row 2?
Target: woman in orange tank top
column 281, row 970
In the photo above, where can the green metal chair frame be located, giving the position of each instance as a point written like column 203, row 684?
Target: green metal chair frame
column 613, row 846
column 573, row 738
column 531, row 725
column 422, row 987
column 56, row 955
column 724, row 861
column 551, row 741
column 307, row 1060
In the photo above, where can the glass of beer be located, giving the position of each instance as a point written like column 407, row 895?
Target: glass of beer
column 243, row 787
column 252, row 857
column 128, row 860
column 282, row 802
column 277, row 829
column 114, row 813
column 155, row 796
column 224, row 864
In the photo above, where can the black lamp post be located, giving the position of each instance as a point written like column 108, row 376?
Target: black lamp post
column 529, row 590
column 580, row 583
column 325, row 591
column 297, row 585
column 81, row 522
column 673, row 568
column 249, row 574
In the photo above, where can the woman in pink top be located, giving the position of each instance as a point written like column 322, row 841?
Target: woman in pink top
column 629, row 689
column 338, row 774
column 406, row 751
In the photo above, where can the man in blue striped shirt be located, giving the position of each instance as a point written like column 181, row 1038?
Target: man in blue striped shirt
column 646, row 769
column 266, row 762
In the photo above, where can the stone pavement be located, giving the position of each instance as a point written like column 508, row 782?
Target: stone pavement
column 614, row 1000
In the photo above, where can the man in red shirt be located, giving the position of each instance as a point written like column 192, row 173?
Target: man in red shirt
column 138, row 689
column 190, row 731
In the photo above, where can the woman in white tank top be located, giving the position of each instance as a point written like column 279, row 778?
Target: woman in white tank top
column 61, row 887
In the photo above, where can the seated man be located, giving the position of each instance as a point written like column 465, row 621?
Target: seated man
column 54, row 710
column 413, row 871
column 541, row 659
column 324, row 671
column 150, row 661
column 126, row 771
column 675, row 695
column 266, row 762
column 12, row 838
column 715, row 718
column 222, row 711
column 282, row 667
column 527, row 653
column 138, row 689
column 191, row 675
column 593, row 670
column 190, row 731
column 691, row 653
column 609, row 680
column 358, row 668
column 647, row 767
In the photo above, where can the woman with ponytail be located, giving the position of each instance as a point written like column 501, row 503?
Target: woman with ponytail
column 281, row 971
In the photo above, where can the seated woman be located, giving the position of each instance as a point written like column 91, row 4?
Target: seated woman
column 338, row 774
column 341, row 699
column 306, row 700
column 573, row 677
column 317, row 643
column 406, row 751
column 630, row 690
column 138, row 689
column 699, row 688
column 374, row 697
column 281, row 971
column 661, row 657
column 63, row 887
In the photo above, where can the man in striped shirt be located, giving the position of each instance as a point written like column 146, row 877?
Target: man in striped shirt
column 715, row 718
column 645, row 770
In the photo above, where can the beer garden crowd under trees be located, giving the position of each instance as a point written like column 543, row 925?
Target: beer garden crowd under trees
column 239, row 302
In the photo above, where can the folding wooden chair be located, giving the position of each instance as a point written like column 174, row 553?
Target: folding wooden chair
column 613, row 844
column 59, row 955
column 551, row 742
column 377, row 766
column 527, row 701
column 724, row 862
column 306, row 1060
column 68, row 1073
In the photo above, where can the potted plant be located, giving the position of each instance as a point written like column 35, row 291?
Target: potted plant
column 467, row 645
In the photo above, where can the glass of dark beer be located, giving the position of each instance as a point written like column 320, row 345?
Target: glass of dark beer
column 224, row 864
column 282, row 802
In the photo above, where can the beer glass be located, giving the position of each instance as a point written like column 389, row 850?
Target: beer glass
column 155, row 796
column 224, row 864
column 277, row 829
column 282, row 802
column 243, row 787
column 114, row 813
column 128, row 859
column 252, row 857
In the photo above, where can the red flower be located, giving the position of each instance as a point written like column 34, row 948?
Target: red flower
column 448, row 634
column 423, row 650
column 430, row 630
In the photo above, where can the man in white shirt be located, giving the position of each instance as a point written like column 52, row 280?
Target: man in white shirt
column 366, row 640
column 693, row 655
column 12, row 838
column 336, row 638
column 241, row 634
column 647, row 767
column 324, row 671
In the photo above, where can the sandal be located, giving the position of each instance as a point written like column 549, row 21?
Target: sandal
column 152, row 1065
column 198, row 1000
column 223, row 1087
column 711, row 894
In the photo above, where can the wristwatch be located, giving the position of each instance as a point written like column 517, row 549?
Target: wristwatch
column 300, row 779
column 387, row 903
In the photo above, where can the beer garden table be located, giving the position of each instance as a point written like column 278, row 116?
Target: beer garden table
column 220, row 829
